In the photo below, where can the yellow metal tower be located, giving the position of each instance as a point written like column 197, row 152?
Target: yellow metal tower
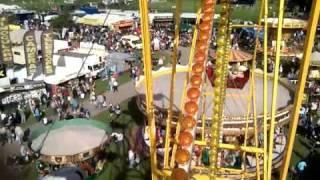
column 178, row 151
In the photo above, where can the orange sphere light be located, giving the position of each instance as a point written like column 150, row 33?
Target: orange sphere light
column 196, row 80
column 207, row 17
column 191, row 107
column 208, row 3
column 193, row 93
column 197, row 68
column 208, row 9
column 200, row 57
column 185, row 138
column 188, row 122
column 205, row 26
column 204, row 35
column 179, row 174
column 201, row 45
column 182, row 156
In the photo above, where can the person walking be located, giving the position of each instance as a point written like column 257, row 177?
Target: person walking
column 179, row 56
column 22, row 114
column 115, row 86
column 19, row 134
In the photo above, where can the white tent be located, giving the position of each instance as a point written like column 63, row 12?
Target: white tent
column 4, row 7
column 102, row 19
column 315, row 58
column 16, row 37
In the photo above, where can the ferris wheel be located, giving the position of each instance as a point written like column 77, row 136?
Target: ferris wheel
column 223, row 120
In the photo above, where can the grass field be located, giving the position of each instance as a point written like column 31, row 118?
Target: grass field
column 42, row 5
column 130, row 119
column 239, row 12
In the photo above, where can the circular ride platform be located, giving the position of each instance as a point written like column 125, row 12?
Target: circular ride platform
column 235, row 111
column 236, row 102
column 69, row 141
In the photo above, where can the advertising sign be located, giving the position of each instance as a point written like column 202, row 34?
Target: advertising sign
column 3, row 71
column 30, row 49
column 5, row 44
column 47, row 52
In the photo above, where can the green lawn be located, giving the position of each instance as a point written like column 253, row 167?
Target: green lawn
column 241, row 12
column 301, row 149
column 130, row 119
column 117, row 167
column 41, row 5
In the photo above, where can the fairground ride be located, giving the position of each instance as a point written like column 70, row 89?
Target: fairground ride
column 184, row 128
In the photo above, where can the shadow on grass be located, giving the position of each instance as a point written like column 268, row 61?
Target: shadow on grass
column 117, row 125
column 298, row 154
column 313, row 164
column 134, row 112
column 111, row 156
column 304, row 143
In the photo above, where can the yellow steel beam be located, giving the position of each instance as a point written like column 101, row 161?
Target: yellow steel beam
column 265, row 90
column 242, row 148
column 309, row 42
column 146, row 52
column 173, row 80
column 253, row 95
column 246, row 26
column 275, row 87
column 228, row 95
column 248, row 149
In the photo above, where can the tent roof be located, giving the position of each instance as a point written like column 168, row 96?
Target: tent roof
column 237, row 56
column 315, row 58
column 17, row 36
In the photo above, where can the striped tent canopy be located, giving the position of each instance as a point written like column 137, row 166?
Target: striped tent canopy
column 236, row 55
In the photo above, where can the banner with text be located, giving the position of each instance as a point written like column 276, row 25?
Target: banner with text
column 3, row 71
column 30, row 50
column 5, row 44
column 47, row 52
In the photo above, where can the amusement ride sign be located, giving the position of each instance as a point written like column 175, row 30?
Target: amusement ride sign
column 47, row 52
column 30, row 49
column 5, row 44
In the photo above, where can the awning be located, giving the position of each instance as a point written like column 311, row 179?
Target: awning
column 315, row 58
column 13, row 27
column 236, row 56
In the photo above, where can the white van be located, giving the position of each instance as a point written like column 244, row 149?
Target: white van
column 134, row 41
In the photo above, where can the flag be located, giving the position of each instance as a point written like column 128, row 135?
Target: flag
column 30, row 50
column 3, row 71
column 47, row 52
column 5, row 44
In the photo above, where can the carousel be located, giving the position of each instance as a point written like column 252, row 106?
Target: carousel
column 70, row 141
column 235, row 103
column 235, row 111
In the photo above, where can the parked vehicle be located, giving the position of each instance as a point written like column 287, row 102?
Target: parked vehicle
column 132, row 40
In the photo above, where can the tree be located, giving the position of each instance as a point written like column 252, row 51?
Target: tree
column 63, row 20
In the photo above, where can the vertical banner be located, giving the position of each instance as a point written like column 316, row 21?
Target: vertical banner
column 3, row 71
column 30, row 50
column 47, row 52
column 5, row 44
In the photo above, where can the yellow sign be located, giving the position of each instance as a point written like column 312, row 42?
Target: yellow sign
column 47, row 52
column 30, row 49
column 5, row 44
column 2, row 73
